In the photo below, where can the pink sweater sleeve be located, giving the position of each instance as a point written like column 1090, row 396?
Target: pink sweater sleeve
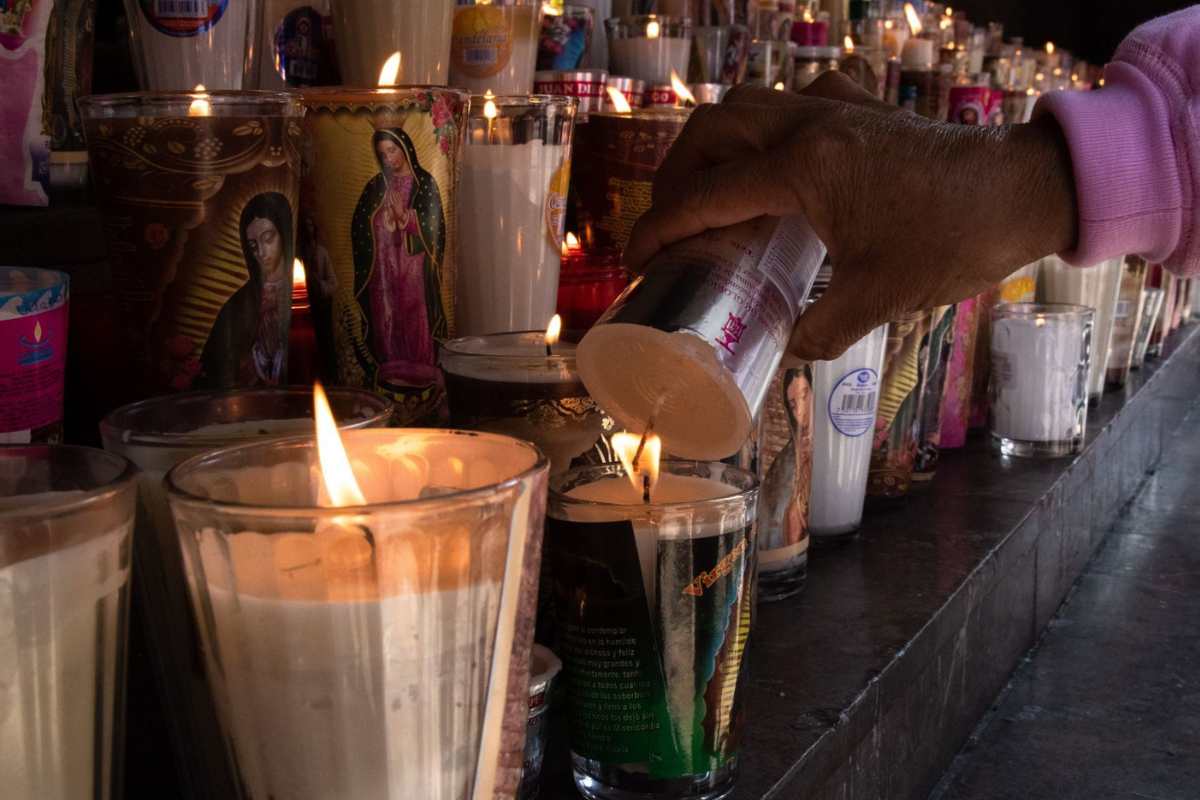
column 1136, row 149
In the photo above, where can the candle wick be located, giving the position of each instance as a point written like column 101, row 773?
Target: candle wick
column 637, row 454
column 549, row 352
column 645, row 488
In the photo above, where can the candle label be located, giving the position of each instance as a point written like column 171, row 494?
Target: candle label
column 183, row 17
column 897, row 422
column 379, row 200
column 481, row 42
column 653, row 662
column 302, row 48
column 556, row 204
column 33, row 358
column 199, row 214
column 787, row 469
column 852, row 402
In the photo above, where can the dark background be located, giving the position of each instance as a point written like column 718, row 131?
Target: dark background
column 1091, row 29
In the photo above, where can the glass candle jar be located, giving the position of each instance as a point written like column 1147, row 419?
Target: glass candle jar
column 649, row 47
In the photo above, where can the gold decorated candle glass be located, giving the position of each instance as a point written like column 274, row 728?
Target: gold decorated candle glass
column 367, row 630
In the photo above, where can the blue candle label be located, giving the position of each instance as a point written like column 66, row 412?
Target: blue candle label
column 654, row 661
column 853, row 401
column 183, row 17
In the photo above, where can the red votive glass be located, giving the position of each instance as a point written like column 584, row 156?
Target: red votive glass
column 588, row 283
column 303, row 363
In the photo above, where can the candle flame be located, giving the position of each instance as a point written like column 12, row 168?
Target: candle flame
column 551, row 10
column 390, row 70
column 683, row 98
column 199, row 106
column 625, row 445
column 808, row 17
column 945, row 23
column 1050, row 48
column 1039, row 77
column 914, row 22
column 572, row 240
column 620, row 104
column 653, row 29
column 949, row 11
column 849, row 43
column 298, row 276
column 553, row 330
column 779, row 86
column 888, row 24
column 336, row 473
column 489, row 106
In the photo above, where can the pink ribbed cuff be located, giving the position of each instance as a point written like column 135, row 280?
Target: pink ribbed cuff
column 1127, row 173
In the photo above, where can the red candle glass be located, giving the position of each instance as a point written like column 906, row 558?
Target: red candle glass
column 588, row 283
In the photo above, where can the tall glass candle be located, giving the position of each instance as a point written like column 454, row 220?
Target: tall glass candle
column 507, row 383
column 1096, row 287
column 721, row 52
column 846, row 394
column 33, row 354
column 898, row 421
column 937, row 364
column 198, row 195
column 178, row 44
column 493, row 45
column 1127, row 320
column 515, row 175
column 649, row 47
column 956, row 397
column 156, row 435
column 368, row 32
column 66, row 518
column 381, row 188
column 1040, row 358
column 367, row 631
column 654, row 662
column 1151, row 306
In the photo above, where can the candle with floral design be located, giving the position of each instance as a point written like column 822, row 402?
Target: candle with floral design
column 379, row 208
column 198, row 193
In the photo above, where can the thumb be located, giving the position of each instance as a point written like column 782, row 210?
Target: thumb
column 834, row 322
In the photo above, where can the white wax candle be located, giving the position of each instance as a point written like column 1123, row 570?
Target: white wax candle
column 846, row 392
column 1035, row 379
column 917, row 53
column 508, row 254
column 184, row 44
column 59, row 613
column 1096, row 287
column 669, row 489
column 650, row 59
column 368, row 32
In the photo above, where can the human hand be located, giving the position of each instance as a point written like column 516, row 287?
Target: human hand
column 914, row 213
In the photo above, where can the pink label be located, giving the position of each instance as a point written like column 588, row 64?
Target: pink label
column 33, row 359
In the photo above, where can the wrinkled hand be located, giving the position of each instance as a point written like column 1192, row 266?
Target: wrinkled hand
column 915, row 213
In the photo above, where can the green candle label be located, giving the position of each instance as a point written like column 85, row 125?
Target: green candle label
column 653, row 639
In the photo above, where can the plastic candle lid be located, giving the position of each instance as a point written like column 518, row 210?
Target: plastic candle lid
column 626, row 368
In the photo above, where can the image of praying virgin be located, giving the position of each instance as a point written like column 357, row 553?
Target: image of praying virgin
column 248, row 342
column 399, row 236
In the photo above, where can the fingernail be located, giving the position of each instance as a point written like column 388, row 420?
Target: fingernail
column 792, row 362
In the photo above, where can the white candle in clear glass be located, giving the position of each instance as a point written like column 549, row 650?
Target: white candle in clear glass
column 1097, row 288
column 513, row 201
column 369, row 31
column 493, row 46
column 649, row 47
column 180, row 43
column 846, row 394
column 1039, row 373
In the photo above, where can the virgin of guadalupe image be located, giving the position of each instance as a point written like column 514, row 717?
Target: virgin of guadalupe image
column 787, row 486
column 399, row 237
column 247, row 343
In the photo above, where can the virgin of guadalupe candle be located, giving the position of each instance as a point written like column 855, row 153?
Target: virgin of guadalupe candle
column 1127, row 320
column 156, row 435
column 493, row 45
column 937, row 365
column 1096, row 287
column 649, row 47
column 33, row 354
column 787, row 451
column 178, row 44
column 616, row 156
column 1040, row 357
column 517, row 385
column 367, row 612
column 898, row 420
column 654, row 661
column 515, row 174
column 369, row 32
column 846, row 395
column 198, row 196
column 381, row 187
column 66, row 518
column 691, row 346
column 956, row 397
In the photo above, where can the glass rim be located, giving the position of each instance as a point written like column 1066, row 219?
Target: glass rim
column 456, row 347
column 636, row 509
column 128, row 435
column 126, row 477
column 537, row 100
column 177, row 493
column 216, row 97
column 1047, row 310
column 394, row 90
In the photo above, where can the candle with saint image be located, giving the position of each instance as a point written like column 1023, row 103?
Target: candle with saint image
column 359, row 589
column 515, row 173
column 66, row 518
column 654, row 662
column 523, row 385
column 649, row 47
column 379, row 208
